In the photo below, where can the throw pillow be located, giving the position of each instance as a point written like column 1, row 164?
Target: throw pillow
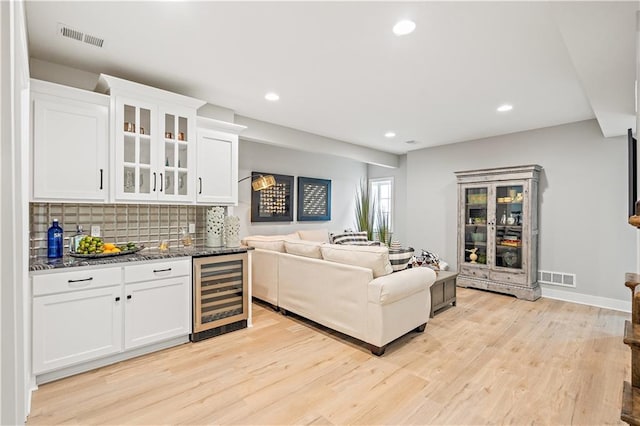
column 374, row 258
column 321, row 235
column 304, row 248
column 351, row 238
column 269, row 242
column 400, row 258
column 272, row 245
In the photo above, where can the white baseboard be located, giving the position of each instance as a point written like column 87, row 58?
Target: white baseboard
column 586, row 299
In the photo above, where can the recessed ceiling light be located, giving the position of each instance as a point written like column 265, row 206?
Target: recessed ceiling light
column 404, row 27
column 505, row 108
column 390, row 135
column 271, row 96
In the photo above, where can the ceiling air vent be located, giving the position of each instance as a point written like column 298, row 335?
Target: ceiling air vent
column 67, row 31
column 96, row 41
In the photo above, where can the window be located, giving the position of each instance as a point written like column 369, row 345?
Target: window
column 381, row 191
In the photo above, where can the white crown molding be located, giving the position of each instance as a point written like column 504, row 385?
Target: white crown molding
column 213, row 124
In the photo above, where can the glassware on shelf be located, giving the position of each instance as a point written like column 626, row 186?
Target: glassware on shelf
column 128, row 179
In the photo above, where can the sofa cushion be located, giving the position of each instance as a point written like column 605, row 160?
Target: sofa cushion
column 269, row 242
column 400, row 258
column 321, row 235
column 350, row 237
column 304, row 248
column 374, row 258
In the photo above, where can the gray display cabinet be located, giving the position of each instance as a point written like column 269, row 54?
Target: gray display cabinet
column 498, row 230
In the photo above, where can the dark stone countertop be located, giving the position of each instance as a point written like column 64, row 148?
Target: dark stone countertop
column 44, row 263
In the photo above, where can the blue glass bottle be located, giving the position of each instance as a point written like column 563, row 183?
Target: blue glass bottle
column 54, row 241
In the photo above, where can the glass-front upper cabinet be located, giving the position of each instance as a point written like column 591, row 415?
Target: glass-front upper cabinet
column 498, row 230
column 178, row 165
column 509, row 215
column 154, row 142
column 476, row 214
column 135, row 150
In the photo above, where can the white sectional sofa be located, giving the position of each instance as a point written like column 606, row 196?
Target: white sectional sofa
column 347, row 288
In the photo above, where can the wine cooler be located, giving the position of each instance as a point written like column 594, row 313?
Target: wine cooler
column 220, row 299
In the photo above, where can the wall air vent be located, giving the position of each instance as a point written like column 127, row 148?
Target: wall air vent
column 557, row 278
column 67, row 31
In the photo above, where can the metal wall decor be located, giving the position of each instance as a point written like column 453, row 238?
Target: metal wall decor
column 273, row 204
column 314, row 199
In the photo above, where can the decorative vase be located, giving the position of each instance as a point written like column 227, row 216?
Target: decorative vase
column 232, row 231
column 473, row 256
column 215, row 227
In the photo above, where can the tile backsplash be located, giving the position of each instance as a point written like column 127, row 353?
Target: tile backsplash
column 142, row 223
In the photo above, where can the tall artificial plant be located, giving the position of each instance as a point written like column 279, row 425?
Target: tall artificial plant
column 384, row 228
column 365, row 210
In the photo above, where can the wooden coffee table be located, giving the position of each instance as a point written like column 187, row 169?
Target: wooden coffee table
column 443, row 291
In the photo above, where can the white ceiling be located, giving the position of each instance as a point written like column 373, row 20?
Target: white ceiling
column 342, row 73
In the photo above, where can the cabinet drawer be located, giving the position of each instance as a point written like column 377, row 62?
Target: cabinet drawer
column 506, row 277
column 157, row 270
column 62, row 282
column 474, row 272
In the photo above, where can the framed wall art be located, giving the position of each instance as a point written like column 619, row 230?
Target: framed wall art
column 274, row 204
column 314, row 199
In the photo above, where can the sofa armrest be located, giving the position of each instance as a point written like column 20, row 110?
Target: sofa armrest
column 264, row 272
column 396, row 286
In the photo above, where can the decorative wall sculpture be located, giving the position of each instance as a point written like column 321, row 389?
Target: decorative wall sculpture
column 273, row 204
column 314, row 199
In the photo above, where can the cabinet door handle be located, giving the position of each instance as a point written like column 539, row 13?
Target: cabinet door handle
column 128, row 297
column 161, row 270
column 200, row 191
column 161, row 182
column 118, row 299
column 84, row 280
column 101, row 175
column 154, row 181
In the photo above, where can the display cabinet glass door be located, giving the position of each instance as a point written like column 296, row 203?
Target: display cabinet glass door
column 135, row 151
column 509, row 225
column 177, row 137
column 475, row 229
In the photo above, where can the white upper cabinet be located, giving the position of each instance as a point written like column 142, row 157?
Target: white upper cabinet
column 217, row 162
column 69, row 137
column 153, row 142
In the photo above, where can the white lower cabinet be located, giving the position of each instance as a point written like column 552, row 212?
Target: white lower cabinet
column 70, row 328
column 156, row 310
column 84, row 314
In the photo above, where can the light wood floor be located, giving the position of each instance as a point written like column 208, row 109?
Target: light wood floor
column 493, row 359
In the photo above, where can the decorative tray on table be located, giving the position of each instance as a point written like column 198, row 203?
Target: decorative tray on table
column 101, row 255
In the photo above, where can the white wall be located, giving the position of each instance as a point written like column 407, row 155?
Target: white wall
column 73, row 77
column 273, row 134
column 14, row 300
column 399, row 175
column 345, row 176
column 583, row 200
